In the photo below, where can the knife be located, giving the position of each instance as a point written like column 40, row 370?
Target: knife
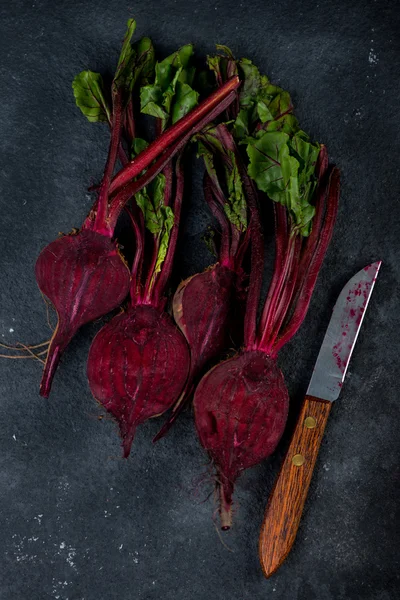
column 286, row 502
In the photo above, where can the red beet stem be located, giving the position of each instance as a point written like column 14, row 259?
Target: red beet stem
column 225, row 502
column 292, row 259
column 173, row 133
column 218, row 213
column 257, row 261
column 130, row 120
column 281, row 237
column 149, row 297
column 116, row 128
column 278, row 290
column 138, row 228
column 59, row 342
column 256, row 240
column 121, row 155
column 123, row 194
column 150, row 275
column 286, row 296
column 310, row 278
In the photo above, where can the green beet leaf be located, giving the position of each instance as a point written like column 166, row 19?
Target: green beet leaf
column 261, row 102
column 208, row 238
column 138, row 145
column 88, row 90
column 135, row 64
column 211, row 149
column 144, row 62
column 236, row 207
column 123, row 78
column 185, row 99
column 158, row 218
column 265, row 156
column 171, row 96
column 151, row 202
column 251, row 83
column 284, row 168
column 167, row 224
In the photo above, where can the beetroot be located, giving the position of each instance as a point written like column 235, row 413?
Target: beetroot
column 137, row 367
column 71, row 272
column 242, row 404
column 241, row 408
column 84, row 289
column 203, row 321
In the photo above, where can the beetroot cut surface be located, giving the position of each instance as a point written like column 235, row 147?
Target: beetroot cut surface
column 241, row 407
column 85, row 277
column 138, row 364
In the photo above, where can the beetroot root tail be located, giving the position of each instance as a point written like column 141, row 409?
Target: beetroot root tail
column 57, row 346
column 127, row 439
column 225, row 503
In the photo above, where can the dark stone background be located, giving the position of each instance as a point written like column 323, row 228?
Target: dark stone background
column 77, row 521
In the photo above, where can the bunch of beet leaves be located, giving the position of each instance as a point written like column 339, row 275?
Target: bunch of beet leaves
column 161, row 351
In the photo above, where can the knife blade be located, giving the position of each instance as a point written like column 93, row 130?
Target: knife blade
column 341, row 335
column 287, row 499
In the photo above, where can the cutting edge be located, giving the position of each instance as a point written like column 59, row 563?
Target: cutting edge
column 332, row 362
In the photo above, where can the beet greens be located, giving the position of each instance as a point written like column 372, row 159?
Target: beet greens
column 241, row 405
column 83, row 274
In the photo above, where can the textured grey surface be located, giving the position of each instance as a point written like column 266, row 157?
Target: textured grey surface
column 77, row 521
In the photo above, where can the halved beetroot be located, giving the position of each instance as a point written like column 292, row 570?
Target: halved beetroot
column 137, row 367
column 84, row 276
column 241, row 407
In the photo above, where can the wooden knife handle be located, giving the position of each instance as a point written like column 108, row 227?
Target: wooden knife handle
column 286, row 503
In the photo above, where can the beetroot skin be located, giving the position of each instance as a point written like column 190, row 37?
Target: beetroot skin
column 138, row 365
column 84, row 276
column 241, row 407
column 202, row 312
column 202, row 307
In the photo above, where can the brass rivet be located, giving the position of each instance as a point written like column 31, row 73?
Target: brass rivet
column 298, row 460
column 310, row 422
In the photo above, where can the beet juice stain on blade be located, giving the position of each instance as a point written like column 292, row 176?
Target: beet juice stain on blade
column 341, row 335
